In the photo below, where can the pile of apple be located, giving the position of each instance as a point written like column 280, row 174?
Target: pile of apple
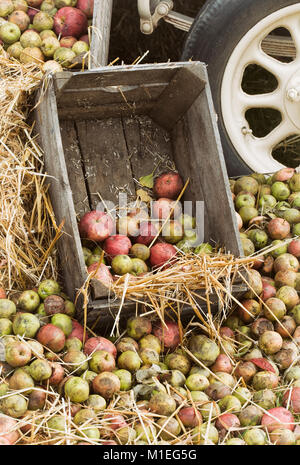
column 242, row 387
column 55, row 31
column 138, row 247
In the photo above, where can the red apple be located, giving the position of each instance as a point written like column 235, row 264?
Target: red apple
column 278, row 417
column 227, row 421
column 86, row 6
column 69, row 21
column 283, row 175
column 238, row 218
column 77, row 331
column 102, row 274
column 114, row 421
column 162, row 207
column 222, row 364
column 292, row 397
column 226, row 332
column 2, row 293
column 68, row 42
column 96, row 225
column 161, row 253
column 85, row 38
column 169, row 335
column 57, row 375
column 99, row 343
column 117, row 245
column 9, row 429
column 148, row 231
column 278, row 228
column 294, row 248
column 258, row 263
column 31, row 13
column 52, row 337
column 268, row 290
column 190, row 417
column 168, row 185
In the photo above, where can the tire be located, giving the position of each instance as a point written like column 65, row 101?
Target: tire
column 215, row 33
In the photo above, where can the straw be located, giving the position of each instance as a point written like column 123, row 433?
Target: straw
column 27, row 242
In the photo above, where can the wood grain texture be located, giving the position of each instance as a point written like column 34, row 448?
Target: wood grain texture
column 107, row 96
column 118, row 76
column 101, row 32
column 183, row 89
column 149, row 146
column 104, row 111
column 104, row 150
column 75, row 168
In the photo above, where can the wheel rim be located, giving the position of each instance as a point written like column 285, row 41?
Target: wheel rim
column 256, row 152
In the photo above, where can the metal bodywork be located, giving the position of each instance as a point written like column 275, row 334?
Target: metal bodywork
column 152, row 11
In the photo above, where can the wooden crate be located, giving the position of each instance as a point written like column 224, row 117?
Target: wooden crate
column 102, row 129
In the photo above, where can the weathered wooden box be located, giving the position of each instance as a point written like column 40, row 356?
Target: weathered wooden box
column 101, row 130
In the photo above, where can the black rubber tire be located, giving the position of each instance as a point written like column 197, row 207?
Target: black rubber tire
column 218, row 28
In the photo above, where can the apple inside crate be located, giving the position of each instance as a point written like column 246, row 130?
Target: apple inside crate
column 103, row 129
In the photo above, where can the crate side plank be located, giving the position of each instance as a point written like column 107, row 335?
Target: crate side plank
column 104, row 111
column 204, row 137
column 61, row 195
column 99, row 96
column 179, row 95
column 117, row 76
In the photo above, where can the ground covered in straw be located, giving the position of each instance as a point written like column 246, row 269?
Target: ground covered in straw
column 27, row 225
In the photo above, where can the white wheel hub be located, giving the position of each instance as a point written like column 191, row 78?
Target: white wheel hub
column 257, row 152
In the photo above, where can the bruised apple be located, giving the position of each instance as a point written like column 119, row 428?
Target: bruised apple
column 106, row 384
column 68, row 42
column 69, row 21
column 52, row 337
column 168, row 334
column 21, row 19
column 9, row 429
